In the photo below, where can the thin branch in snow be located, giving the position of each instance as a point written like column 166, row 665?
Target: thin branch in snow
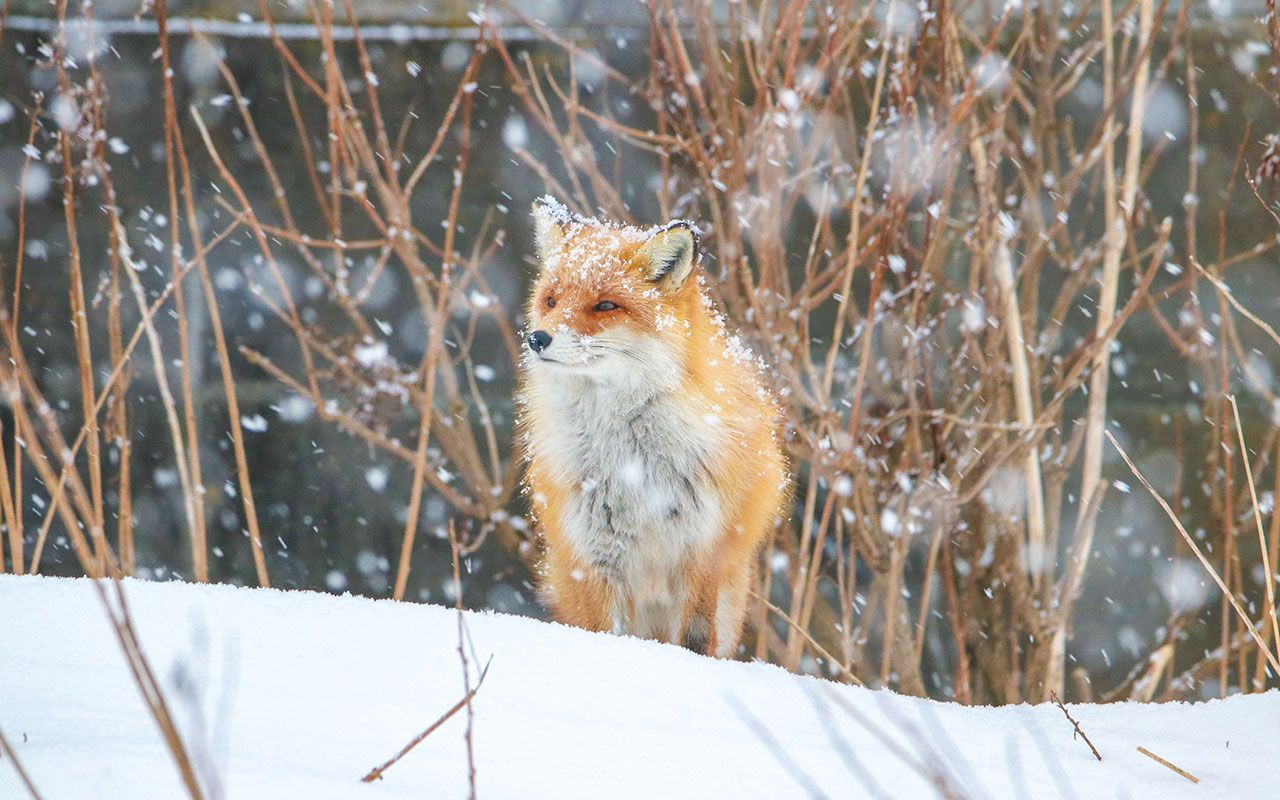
column 464, row 641
column 376, row 773
column 1161, row 761
column 1078, row 730
column 7, row 749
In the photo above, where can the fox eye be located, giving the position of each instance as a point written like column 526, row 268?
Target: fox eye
column 605, row 305
column 551, row 302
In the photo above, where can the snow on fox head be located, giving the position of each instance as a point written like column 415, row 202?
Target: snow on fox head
column 611, row 301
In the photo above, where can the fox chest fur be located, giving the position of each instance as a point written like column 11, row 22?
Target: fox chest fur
column 641, row 502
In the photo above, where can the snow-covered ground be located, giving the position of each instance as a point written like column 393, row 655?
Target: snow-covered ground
column 297, row 695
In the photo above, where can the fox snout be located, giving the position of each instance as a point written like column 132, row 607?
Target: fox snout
column 565, row 348
column 538, row 341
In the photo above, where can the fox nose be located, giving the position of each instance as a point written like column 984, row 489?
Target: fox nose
column 539, row 341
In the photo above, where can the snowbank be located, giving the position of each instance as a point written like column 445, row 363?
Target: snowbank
column 296, row 695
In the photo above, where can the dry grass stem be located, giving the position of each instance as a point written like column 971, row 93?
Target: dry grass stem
column 1230, row 296
column 941, row 271
column 1191, row 543
column 1039, row 560
column 1269, row 577
column 818, row 648
column 1164, row 763
column 1118, row 208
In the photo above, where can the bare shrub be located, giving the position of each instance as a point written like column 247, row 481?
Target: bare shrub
column 937, row 259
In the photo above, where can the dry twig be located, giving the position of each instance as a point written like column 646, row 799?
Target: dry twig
column 1162, row 762
column 376, row 773
column 1076, row 725
column 7, row 751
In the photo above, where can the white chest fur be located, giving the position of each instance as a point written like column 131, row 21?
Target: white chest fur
column 645, row 501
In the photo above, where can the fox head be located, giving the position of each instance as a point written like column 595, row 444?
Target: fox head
column 611, row 302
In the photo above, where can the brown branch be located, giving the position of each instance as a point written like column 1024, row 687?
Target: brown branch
column 376, row 773
column 1076, row 725
column 7, row 749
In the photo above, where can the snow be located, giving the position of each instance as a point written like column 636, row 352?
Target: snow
column 35, row 183
column 515, row 134
column 65, row 111
column 199, row 61
column 454, row 56
column 376, row 477
column 1183, row 584
column 371, row 353
column 254, row 424
column 298, row 694
column 1166, row 113
column 843, row 486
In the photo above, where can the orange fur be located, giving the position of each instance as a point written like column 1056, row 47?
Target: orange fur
column 692, row 484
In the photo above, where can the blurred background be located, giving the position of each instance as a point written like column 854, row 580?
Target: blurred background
column 866, row 175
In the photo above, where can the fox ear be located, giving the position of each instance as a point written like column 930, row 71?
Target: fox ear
column 549, row 220
column 670, row 254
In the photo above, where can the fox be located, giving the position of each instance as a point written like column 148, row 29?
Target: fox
column 655, row 466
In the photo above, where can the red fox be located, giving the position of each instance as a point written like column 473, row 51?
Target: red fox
column 654, row 460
